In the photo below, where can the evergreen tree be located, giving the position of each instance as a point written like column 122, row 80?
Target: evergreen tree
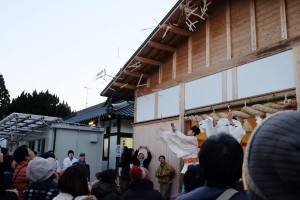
column 42, row 103
column 4, row 98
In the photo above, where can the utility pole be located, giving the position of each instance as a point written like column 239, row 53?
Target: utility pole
column 87, row 93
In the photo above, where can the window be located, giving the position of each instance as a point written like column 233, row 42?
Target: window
column 105, row 148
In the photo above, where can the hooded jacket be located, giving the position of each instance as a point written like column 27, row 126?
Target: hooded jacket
column 106, row 191
column 142, row 189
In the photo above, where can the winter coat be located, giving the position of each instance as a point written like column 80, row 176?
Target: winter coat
column 165, row 173
column 20, row 181
column 65, row 196
column 106, row 191
column 142, row 189
column 146, row 162
column 41, row 190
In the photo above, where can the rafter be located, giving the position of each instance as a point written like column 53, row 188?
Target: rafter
column 180, row 31
column 160, row 46
column 135, row 74
column 125, row 85
column 148, row 61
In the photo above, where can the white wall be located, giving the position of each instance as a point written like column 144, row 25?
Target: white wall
column 266, row 75
column 79, row 142
column 229, row 85
column 145, row 105
column 126, row 126
column 168, row 102
column 203, row 91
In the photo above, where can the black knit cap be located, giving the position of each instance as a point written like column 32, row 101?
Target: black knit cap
column 196, row 130
column 272, row 159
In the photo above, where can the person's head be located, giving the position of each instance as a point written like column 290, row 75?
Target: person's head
column 71, row 154
column 82, row 157
column 8, row 163
column 48, row 155
column 221, row 158
column 74, row 181
column 272, row 158
column 109, row 176
column 194, row 130
column 23, row 153
column 162, row 159
column 141, row 156
column 193, row 178
column 138, row 173
column 5, row 151
column 40, row 169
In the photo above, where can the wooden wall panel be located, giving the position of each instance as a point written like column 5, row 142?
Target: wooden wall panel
column 267, row 22
column 167, row 69
column 199, row 48
column 218, row 34
column 182, row 59
column 293, row 17
column 240, row 28
column 148, row 135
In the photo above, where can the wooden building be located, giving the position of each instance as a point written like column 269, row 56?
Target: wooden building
column 244, row 51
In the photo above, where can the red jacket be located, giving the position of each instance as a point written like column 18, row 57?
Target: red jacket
column 20, row 181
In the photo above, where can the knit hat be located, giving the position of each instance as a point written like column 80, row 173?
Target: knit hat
column 137, row 173
column 272, row 158
column 40, row 169
column 196, row 130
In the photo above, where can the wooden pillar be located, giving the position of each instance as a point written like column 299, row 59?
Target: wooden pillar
column 135, row 106
column 283, row 19
column 228, row 30
column 297, row 73
column 190, row 54
column 155, row 105
column 207, row 43
column 174, row 66
column 234, row 83
column 160, row 74
column 181, row 106
column 224, row 86
column 253, row 25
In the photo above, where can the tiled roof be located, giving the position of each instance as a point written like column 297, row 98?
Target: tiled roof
column 126, row 109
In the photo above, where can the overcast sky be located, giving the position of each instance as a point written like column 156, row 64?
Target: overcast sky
column 61, row 45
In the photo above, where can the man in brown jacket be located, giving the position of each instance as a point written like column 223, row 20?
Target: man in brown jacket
column 165, row 174
column 23, row 154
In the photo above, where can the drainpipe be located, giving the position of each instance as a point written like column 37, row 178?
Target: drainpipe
column 54, row 141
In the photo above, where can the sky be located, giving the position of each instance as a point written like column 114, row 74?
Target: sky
column 60, row 45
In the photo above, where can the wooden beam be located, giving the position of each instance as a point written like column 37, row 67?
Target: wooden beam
column 181, row 106
column 160, row 46
column 160, row 74
column 283, row 19
column 224, row 85
column 125, row 85
column 207, row 43
column 297, row 73
column 174, row 66
column 190, row 54
column 228, row 30
column 180, row 31
column 234, row 83
column 148, row 61
column 135, row 74
column 253, row 25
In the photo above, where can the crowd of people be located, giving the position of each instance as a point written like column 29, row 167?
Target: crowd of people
column 271, row 168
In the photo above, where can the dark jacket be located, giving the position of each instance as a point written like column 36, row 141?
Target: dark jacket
column 210, row 193
column 146, row 162
column 106, row 191
column 41, row 190
column 142, row 189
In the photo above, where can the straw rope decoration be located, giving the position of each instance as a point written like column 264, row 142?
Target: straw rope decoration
column 222, row 115
column 198, row 118
column 214, row 116
column 264, row 109
column 276, row 106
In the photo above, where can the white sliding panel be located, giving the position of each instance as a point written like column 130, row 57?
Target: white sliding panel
column 204, row 91
column 266, row 75
column 168, row 102
column 145, row 107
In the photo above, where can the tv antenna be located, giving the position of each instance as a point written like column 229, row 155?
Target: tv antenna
column 87, row 93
